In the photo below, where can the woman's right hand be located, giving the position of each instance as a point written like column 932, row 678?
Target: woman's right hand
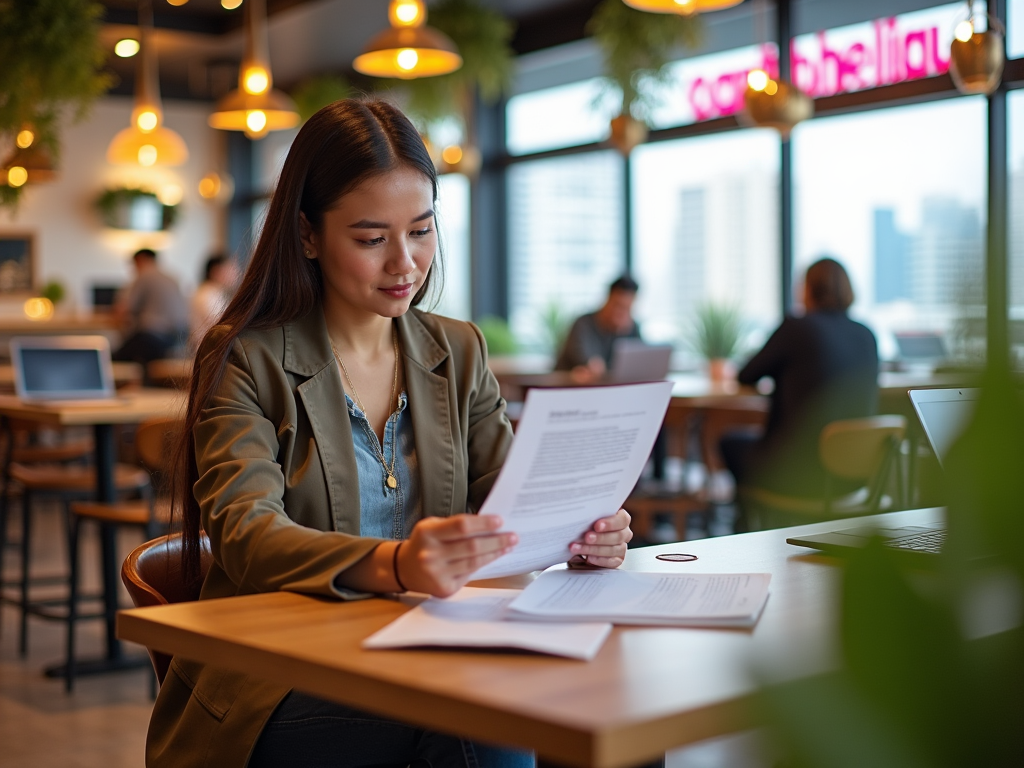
column 442, row 553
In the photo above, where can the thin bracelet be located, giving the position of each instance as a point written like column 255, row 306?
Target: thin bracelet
column 394, row 566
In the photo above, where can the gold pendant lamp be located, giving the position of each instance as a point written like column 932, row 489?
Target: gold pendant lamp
column 408, row 49
column 976, row 58
column 146, row 141
column 255, row 107
column 30, row 162
column 681, row 7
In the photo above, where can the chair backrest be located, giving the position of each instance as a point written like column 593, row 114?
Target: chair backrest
column 856, row 449
column 154, row 440
column 152, row 575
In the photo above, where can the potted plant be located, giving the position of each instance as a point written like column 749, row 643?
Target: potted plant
column 134, row 208
column 637, row 49
column 483, row 37
column 51, row 65
column 716, row 334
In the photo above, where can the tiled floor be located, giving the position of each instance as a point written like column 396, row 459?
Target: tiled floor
column 103, row 722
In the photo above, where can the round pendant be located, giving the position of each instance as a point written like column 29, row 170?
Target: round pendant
column 392, row 483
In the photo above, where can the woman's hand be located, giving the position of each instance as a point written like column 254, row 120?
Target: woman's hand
column 604, row 545
column 442, row 553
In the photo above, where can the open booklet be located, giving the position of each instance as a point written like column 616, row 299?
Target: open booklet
column 632, row 597
column 576, row 456
column 477, row 618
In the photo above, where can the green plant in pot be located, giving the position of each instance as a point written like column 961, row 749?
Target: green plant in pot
column 483, row 37
column 135, row 209
column 51, row 68
column 716, row 334
column 54, row 291
column 637, row 48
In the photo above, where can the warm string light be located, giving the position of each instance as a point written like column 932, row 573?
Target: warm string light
column 38, row 308
column 16, row 176
column 24, row 138
column 126, row 48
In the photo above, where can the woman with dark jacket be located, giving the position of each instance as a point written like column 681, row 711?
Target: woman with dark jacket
column 825, row 368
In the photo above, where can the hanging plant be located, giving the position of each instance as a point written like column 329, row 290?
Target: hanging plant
column 637, row 48
column 312, row 95
column 51, row 64
column 483, row 37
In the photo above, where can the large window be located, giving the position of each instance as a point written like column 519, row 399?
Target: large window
column 705, row 229
column 566, row 244
column 1015, row 157
column 453, row 231
column 564, row 116
column 1015, row 29
column 898, row 196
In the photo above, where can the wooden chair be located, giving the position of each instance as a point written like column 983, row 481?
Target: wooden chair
column 152, row 575
column 151, row 514
column 863, row 450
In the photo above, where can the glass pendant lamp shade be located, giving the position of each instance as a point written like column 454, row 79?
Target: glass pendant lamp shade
column 146, row 141
column 409, row 49
column 681, row 7
column 255, row 107
column 976, row 59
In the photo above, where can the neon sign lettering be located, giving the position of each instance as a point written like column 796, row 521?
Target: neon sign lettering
column 884, row 55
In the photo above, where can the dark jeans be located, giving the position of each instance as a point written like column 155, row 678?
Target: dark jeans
column 312, row 733
column 737, row 449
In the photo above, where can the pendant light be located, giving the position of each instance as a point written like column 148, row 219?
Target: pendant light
column 255, row 107
column 146, row 141
column 681, row 7
column 771, row 103
column 409, row 49
column 976, row 59
column 30, row 162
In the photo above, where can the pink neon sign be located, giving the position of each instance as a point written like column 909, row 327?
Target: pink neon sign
column 884, row 54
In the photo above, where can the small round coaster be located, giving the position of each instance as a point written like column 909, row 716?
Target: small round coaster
column 676, row 557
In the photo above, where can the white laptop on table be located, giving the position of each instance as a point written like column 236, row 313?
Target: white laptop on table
column 63, row 368
column 635, row 361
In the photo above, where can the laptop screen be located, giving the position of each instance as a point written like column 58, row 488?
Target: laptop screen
column 944, row 415
column 67, row 367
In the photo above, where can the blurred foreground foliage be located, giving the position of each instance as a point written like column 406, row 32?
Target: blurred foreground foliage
column 933, row 660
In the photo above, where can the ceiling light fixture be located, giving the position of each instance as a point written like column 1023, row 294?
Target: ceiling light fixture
column 126, row 48
column 146, row 142
column 255, row 107
column 976, row 59
column 681, row 7
column 409, row 49
column 230, row 5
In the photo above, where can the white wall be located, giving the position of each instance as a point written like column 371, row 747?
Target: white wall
column 71, row 243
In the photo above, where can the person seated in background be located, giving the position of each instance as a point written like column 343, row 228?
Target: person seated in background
column 825, row 368
column 211, row 297
column 152, row 312
column 587, row 350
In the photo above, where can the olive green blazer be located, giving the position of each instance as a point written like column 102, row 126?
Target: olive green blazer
column 279, row 495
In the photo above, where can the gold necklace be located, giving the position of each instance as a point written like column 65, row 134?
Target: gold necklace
column 389, row 472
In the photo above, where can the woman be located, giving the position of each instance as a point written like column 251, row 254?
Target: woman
column 825, row 368
column 338, row 439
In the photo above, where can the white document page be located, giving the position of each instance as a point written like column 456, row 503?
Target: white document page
column 576, row 456
column 475, row 618
column 631, row 597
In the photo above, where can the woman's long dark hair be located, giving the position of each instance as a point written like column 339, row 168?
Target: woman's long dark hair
column 339, row 147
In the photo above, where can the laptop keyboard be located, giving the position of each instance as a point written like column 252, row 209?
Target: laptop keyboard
column 926, row 541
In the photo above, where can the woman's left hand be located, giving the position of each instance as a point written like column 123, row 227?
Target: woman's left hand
column 604, row 545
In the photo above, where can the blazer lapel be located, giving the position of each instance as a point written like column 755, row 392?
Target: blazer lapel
column 430, row 407
column 308, row 353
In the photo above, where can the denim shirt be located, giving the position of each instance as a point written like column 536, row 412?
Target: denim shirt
column 386, row 513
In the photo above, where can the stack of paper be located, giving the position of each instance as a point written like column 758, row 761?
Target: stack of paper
column 477, row 618
column 629, row 597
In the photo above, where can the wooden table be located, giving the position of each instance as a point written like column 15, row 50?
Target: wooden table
column 130, row 407
column 649, row 689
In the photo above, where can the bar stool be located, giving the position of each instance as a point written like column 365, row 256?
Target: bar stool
column 151, row 514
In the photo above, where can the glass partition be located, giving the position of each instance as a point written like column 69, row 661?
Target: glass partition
column 565, row 219
column 706, row 229
column 898, row 196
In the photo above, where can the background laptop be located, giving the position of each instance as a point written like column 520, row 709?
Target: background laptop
column 921, row 349
column 635, row 361
column 944, row 415
column 48, row 368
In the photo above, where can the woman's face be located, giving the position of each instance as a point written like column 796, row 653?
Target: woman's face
column 376, row 244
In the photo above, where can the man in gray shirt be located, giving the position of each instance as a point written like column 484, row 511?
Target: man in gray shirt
column 587, row 350
column 152, row 312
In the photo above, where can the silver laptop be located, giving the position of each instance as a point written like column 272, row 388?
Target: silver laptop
column 51, row 368
column 635, row 361
column 944, row 415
